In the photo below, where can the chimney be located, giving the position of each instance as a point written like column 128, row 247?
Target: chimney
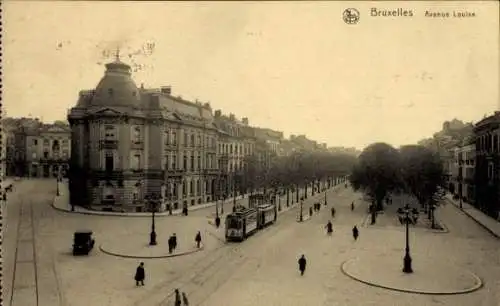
column 218, row 113
column 232, row 117
column 142, row 85
column 166, row 90
column 244, row 120
column 207, row 106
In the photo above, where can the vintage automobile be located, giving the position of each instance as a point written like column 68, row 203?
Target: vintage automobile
column 83, row 242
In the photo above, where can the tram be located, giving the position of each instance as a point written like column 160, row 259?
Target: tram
column 245, row 222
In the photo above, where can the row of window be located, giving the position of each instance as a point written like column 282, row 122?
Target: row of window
column 229, row 148
column 169, row 163
column 488, row 142
column 468, row 162
column 55, row 155
column 170, row 137
column 189, row 188
column 55, row 142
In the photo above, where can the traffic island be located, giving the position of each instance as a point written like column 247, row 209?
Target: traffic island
column 126, row 248
column 430, row 277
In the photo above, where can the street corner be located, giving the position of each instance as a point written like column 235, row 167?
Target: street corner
column 430, row 276
column 138, row 247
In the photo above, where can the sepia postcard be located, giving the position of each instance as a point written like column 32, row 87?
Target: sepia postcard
column 247, row 153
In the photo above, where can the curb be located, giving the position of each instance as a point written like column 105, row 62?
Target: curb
column 133, row 215
column 96, row 213
column 478, row 286
column 464, row 211
column 202, row 247
column 427, row 229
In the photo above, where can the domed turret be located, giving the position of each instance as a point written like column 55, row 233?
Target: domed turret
column 116, row 88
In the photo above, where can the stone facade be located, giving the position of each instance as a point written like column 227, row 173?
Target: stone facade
column 42, row 150
column 136, row 148
column 236, row 143
column 487, row 174
column 463, row 171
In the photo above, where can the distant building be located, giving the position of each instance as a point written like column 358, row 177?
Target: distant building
column 487, row 174
column 42, row 150
column 463, row 171
column 134, row 149
column 235, row 145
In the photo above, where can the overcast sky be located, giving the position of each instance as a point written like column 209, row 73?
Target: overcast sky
column 291, row 66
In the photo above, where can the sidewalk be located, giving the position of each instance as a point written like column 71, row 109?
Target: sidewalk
column 61, row 203
column 487, row 222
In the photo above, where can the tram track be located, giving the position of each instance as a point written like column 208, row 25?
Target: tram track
column 25, row 217
column 219, row 270
column 219, row 265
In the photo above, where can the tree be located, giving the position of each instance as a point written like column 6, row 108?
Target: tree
column 423, row 175
column 377, row 172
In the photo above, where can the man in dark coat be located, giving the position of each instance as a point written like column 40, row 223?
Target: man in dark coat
column 140, row 275
column 302, row 264
column 355, row 232
column 185, row 299
column 174, row 241
column 198, row 239
column 170, row 244
column 217, row 221
column 177, row 298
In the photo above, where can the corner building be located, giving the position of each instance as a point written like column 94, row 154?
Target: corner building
column 133, row 145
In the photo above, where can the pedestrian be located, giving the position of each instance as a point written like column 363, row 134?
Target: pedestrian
column 352, row 205
column 170, row 244
column 177, row 298
column 140, row 275
column 302, row 264
column 185, row 299
column 310, row 211
column 198, row 239
column 333, row 212
column 355, row 232
column 174, row 241
column 329, row 227
column 217, row 221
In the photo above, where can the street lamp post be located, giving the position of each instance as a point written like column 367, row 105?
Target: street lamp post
column 326, row 203
column 405, row 217
column 152, row 235
column 234, row 191
column 57, row 186
column 460, row 192
column 301, row 216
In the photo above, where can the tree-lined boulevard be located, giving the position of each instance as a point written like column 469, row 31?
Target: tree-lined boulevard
column 448, row 250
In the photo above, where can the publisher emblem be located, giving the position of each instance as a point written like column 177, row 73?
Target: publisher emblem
column 351, row 16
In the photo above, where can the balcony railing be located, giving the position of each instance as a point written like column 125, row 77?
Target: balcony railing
column 137, row 145
column 108, row 144
column 210, row 171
